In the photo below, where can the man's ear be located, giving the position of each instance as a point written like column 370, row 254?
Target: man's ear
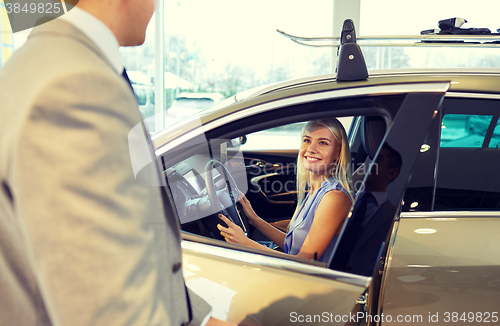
column 393, row 173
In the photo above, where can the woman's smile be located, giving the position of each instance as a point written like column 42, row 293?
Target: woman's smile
column 312, row 159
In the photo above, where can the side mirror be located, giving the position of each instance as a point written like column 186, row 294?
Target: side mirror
column 236, row 142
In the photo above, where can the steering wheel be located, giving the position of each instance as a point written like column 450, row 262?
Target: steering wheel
column 222, row 200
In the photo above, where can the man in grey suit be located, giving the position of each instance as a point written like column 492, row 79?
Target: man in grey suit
column 82, row 242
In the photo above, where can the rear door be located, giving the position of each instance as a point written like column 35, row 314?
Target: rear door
column 445, row 264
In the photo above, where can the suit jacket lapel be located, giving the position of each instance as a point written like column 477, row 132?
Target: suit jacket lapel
column 383, row 215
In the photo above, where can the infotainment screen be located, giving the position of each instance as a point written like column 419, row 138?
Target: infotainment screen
column 193, row 181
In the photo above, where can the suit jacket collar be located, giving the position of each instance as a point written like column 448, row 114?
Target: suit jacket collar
column 380, row 197
column 98, row 32
column 60, row 28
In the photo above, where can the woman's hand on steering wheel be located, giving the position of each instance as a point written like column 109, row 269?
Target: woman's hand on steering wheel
column 233, row 233
column 247, row 208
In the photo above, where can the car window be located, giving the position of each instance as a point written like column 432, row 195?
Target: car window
column 464, row 130
column 465, row 180
column 270, row 176
column 495, row 138
column 285, row 137
column 453, row 171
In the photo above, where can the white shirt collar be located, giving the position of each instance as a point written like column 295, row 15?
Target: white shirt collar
column 98, row 33
column 380, row 197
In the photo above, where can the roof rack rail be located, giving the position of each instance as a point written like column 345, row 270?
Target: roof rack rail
column 449, row 34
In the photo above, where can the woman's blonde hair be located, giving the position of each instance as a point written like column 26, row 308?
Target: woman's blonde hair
column 341, row 170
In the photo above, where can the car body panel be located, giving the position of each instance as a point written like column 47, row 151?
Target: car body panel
column 266, row 290
column 444, row 262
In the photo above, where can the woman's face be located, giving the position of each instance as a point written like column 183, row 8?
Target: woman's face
column 319, row 150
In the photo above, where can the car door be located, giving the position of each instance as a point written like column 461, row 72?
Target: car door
column 445, row 255
column 264, row 288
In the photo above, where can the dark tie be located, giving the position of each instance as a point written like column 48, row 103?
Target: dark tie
column 125, row 75
column 351, row 233
column 360, row 213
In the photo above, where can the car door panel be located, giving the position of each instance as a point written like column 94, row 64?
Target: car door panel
column 271, row 183
column 445, row 259
column 251, row 289
column 435, row 259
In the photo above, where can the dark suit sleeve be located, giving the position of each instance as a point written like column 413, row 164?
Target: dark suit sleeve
column 98, row 240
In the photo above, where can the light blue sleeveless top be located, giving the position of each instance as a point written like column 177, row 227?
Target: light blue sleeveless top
column 299, row 227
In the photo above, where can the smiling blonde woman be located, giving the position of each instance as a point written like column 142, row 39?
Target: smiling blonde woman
column 324, row 185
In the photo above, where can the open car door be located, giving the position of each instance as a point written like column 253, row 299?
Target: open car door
column 256, row 287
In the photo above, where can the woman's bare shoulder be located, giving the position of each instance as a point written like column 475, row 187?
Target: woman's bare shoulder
column 335, row 197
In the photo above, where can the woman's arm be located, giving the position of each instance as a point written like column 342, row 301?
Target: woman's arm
column 328, row 220
column 272, row 233
column 234, row 234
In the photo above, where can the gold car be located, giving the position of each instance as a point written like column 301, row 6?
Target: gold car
column 434, row 255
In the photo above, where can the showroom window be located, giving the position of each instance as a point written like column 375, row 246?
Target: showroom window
column 226, row 46
column 6, row 39
column 393, row 17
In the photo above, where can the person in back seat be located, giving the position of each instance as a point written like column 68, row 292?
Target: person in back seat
column 377, row 213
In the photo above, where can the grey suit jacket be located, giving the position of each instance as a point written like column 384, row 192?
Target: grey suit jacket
column 81, row 241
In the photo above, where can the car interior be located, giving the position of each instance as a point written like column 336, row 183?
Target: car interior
column 206, row 175
column 228, row 158
column 201, row 174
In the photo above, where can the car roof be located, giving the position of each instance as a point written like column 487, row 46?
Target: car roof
column 384, row 76
column 462, row 80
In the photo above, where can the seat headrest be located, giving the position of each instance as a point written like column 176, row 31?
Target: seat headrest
column 372, row 133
